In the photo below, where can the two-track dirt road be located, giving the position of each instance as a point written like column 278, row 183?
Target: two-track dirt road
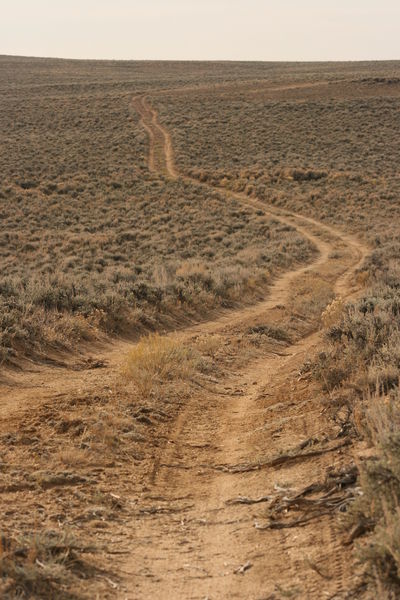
column 240, row 448
column 206, row 533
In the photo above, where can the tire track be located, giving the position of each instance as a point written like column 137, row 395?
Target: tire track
column 166, row 165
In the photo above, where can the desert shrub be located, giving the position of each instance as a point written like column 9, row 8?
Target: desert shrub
column 364, row 356
column 364, row 343
column 378, row 509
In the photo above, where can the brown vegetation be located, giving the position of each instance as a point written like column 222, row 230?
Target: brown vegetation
column 92, row 242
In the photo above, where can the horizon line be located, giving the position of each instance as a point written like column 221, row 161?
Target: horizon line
column 201, row 60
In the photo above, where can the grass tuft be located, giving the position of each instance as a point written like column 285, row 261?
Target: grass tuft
column 157, row 359
column 41, row 565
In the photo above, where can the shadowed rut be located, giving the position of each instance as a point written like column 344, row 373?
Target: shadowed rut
column 228, row 512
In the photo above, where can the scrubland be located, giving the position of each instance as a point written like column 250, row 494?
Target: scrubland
column 92, row 243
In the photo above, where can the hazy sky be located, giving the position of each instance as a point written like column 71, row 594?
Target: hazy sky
column 202, row 29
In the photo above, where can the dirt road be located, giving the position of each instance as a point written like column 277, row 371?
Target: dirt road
column 213, row 520
column 204, row 530
column 48, row 380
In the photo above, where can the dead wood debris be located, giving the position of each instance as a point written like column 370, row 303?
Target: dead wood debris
column 242, row 569
column 215, row 391
column 289, row 457
column 246, row 500
column 163, row 510
column 318, row 499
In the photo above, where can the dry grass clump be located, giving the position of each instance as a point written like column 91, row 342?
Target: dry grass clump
column 311, row 296
column 42, row 566
column 157, row 359
column 333, row 312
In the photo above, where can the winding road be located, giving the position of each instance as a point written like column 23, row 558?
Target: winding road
column 200, row 530
column 203, row 534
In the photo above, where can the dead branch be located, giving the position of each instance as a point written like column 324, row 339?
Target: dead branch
column 279, row 460
column 163, row 510
column 246, row 500
column 288, row 524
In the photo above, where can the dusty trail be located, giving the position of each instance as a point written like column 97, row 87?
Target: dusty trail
column 162, row 148
column 191, row 542
column 49, row 380
column 195, row 541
